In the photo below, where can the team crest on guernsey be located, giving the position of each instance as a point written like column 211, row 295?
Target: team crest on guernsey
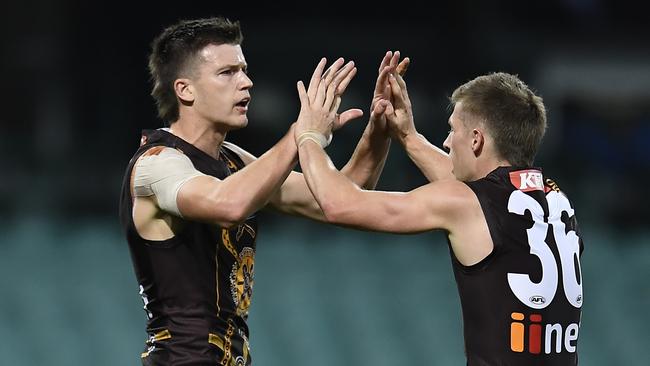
column 242, row 277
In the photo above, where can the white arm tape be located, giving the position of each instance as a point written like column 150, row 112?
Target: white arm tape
column 163, row 175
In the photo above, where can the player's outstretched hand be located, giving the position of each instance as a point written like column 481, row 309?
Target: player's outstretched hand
column 319, row 103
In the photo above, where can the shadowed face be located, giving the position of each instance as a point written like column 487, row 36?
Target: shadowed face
column 220, row 86
column 459, row 142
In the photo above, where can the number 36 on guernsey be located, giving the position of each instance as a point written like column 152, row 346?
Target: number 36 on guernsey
column 540, row 295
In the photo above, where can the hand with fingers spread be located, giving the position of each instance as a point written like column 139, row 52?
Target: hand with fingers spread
column 320, row 102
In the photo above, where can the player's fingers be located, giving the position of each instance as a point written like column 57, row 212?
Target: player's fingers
column 316, row 78
column 343, row 76
column 403, row 66
column 396, row 92
column 379, row 108
column 323, row 87
column 394, row 60
column 345, row 79
column 332, row 71
column 387, row 90
column 402, row 83
column 385, row 60
column 335, row 105
column 377, row 111
column 389, row 112
column 382, row 80
column 347, row 116
column 302, row 94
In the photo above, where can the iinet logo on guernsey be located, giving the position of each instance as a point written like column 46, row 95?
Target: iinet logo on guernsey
column 527, row 180
column 552, row 332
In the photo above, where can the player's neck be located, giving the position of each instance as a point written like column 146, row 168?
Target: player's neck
column 486, row 166
column 204, row 136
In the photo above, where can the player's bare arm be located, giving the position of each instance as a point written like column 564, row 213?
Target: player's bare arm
column 367, row 160
column 229, row 201
column 443, row 205
column 343, row 202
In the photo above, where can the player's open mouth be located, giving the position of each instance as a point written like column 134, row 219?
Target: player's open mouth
column 243, row 103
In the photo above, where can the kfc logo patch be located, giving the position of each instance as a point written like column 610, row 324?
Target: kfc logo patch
column 527, row 180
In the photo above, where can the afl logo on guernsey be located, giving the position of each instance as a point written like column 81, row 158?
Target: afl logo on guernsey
column 537, row 300
column 527, row 180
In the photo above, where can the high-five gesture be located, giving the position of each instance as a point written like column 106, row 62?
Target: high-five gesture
column 431, row 160
column 382, row 94
column 320, row 102
column 400, row 113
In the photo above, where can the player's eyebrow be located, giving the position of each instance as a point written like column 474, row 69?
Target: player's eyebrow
column 238, row 65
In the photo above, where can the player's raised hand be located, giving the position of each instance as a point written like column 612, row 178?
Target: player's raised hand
column 319, row 103
column 399, row 114
column 390, row 64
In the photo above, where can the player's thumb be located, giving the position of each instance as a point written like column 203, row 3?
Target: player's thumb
column 348, row 115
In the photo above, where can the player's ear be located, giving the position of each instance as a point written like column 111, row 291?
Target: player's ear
column 184, row 90
column 478, row 141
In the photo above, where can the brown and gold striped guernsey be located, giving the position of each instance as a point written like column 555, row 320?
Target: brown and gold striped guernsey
column 196, row 286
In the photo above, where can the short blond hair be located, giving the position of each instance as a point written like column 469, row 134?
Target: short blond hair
column 513, row 115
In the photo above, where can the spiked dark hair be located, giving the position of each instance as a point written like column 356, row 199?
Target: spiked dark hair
column 174, row 51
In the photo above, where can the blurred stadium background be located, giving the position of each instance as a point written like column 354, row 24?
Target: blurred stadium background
column 75, row 97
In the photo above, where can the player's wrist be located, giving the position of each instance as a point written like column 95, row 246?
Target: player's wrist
column 409, row 138
column 314, row 136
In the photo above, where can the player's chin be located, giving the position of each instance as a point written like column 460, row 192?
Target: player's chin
column 240, row 121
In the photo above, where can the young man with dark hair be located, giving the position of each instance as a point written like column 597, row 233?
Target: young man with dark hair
column 513, row 235
column 189, row 198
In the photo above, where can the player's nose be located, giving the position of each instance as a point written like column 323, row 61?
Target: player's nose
column 447, row 143
column 246, row 82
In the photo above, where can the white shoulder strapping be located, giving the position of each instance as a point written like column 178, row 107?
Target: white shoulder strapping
column 162, row 173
